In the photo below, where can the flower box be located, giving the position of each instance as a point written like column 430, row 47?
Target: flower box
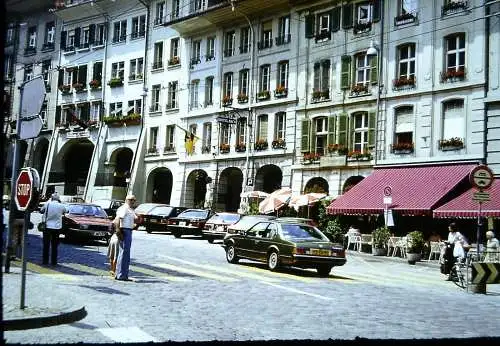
column 224, row 148
column 169, row 149
column 65, row 89
column 359, row 89
column 79, row 87
column 357, row 155
column 240, row 147
column 174, row 61
column 454, row 7
column 280, row 92
column 95, row 84
column 362, row 27
column 402, row 148
column 263, row 95
column 405, row 18
column 227, row 101
column 261, row 144
column 242, row 98
column 403, row 82
column 337, row 148
column 310, row 158
column 454, row 143
column 279, row 144
column 453, row 75
column 319, row 95
column 152, row 150
column 115, row 82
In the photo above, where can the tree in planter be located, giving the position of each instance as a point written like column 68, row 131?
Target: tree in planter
column 380, row 238
column 334, row 230
column 415, row 245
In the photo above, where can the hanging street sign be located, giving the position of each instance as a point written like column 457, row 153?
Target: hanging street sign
column 32, row 96
column 481, row 177
column 481, row 196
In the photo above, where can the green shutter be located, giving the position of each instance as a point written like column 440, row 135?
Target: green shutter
column 376, row 10
column 82, row 74
column 372, row 121
column 310, row 26
column 304, row 147
column 350, row 139
column 331, row 129
column 374, row 69
column 345, row 74
column 312, row 142
column 347, row 19
column 342, row 126
column 335, row 22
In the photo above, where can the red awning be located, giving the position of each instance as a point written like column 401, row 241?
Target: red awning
column 415, row 190
column 464, row 206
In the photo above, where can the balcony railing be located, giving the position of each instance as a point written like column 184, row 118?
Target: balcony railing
column 264, row 44
column 284, row 39
column 405, row 18
column 362, row 27
column 453, row 7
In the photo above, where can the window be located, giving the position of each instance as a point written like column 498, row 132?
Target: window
column 46, row 73
column 118, row 70
column 195, row 52
column 195, row 84
column 283, row 31
column 80, row 77
column 9, row 36
column 43, row 113
column 279, row 126
column 155, row 98
column 406, row 61
column 207, row 136
column 172, row 95
column 224, row 134
column 68, row 75
column 70, row 41
column 453, row 119
column 153, row 139
column 174, row 48
column 324, row 24
column 364, row 13
column 266, row 35
column 193, row 128
column 228, row 85
column 115, row 109
column 120, row 31
column 28, row 72
column 197, row 5
column 158, row 55
column 243, row 83
column 136, row 67
column 97, row 71
column 31, row 38
column 229, row 38
column 7, row 67
column 404, row 123
column 262, row 122
column 363, row 69
column 265, row 78
column 176, row 7
column 85, row 38
column 95, row 111
column 50, row 31
column 360, row 129
column 138, row 26
column 134, row 106
column 241, row 125
column 160, row 12
column 282, row 80
column 169, row 138
column 100, row 34
column 322, row 77
column 245, row 40
column 321, row 140
column 83, row 111
column 210, row 49
column 455, row 53
column 209, row 91
column 407, row 6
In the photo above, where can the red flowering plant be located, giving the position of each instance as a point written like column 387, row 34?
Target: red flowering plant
column 240, row 147
column 224, row 148
column 311, row 157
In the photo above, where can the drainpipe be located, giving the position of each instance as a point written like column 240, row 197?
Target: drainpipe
column 380, row 83
column 297, row 54
column 144, row 90
column 486, row 81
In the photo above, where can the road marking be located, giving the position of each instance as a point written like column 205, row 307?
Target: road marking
column 156, row 274
column 54, row 274
column 298, row 291
column 86, row 269
column 224, row 270
column 278, row 274
column 195, row 272
column 127, row 334
column 384, row 278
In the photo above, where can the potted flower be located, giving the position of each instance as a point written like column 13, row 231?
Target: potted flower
column 174, row 61
column 380, row 236
column 115, row 82
column 451, row 143
column 65, row 89
column 240, row 147
column 263, row 95
column 95, row 84
column 227, row 100
column 359, row 89
column 242, row 98
column 342, row 150
column 224, row 148
column 310, row 158
column 279, row 143
column 152, row 150
column 452, row 75
column 79, row 87
column 316, row 95
column 415, row 245
column 403, row 81
column 261, row 144
column 280, row 91
column 402, row 148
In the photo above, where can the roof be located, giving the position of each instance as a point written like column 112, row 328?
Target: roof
column 464, row 206
column 415, row 190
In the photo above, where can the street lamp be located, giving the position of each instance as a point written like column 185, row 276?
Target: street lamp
column 375, row 51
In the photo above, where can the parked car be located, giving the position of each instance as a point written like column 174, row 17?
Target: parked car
column 142, row 209
column 109, row 206
column 283, row 243
column 310, row 222
column 248, row 221
column 216, row 226
column 86, row 221
column 156, row 219
column 190, row 221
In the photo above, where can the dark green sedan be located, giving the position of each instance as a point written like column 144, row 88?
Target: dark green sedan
column 284, row 243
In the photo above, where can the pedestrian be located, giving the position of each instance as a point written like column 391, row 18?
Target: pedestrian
column 492, row 248
column 17, row 232
column 5, row 215
column 53, row 211
column 127, row 217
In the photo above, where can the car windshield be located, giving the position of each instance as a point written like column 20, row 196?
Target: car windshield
column 197, row 214
column 224, row 218
column 301, row 232
column 248, row 221
column 161, row 211
column 87, row 210
column 144, row 208
column 103, row 203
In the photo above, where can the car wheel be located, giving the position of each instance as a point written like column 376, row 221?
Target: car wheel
column 231, row 254
column 324, row 271
column 176, row 234
column 273, row 260
column 210, row 240
column 148, row 231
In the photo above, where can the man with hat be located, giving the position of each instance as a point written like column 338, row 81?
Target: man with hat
column 53, row 212
column 126, row 218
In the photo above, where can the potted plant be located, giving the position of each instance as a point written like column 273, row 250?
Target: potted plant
column 415, row 245
column 240, row 147
column 227, row 100
column 224, row 148
column 263, row 95
column 242, row 98
column 115, row 82
column 380, row 238
column 278, row 143
column 261, row 144
column 280, row 91
column 95, row 84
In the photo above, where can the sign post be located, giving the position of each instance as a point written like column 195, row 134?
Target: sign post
column 389, row 221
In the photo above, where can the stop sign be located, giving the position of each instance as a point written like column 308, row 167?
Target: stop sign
column 24, row 190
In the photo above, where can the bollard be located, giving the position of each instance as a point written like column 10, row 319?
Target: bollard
column 477, row 288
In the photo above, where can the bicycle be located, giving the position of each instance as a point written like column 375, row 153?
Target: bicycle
column 461, row 272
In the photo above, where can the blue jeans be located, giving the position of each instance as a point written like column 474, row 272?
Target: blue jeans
column 123, row 261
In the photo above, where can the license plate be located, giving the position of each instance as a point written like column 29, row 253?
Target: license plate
column 99, row 234
column 182, row 223
column 320, row 252
column 154, row 220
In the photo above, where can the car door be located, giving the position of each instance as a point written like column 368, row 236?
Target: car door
column 264, row 238
column 256, row 241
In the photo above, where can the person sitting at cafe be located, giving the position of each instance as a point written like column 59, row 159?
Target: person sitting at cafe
column 492, row 253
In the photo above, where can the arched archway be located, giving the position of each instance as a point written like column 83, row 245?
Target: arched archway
column 230, row 184
column 196, row 189
column 122, row 159
column 40, row 155
column 317, row 184
column 350, row 182
column 268, row 178
column 159, row 186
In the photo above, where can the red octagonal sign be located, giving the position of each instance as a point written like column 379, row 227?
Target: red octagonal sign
column 24, row 190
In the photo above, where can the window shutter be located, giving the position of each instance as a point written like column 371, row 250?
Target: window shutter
column 312, row 141
column 58, row 114
column 77, row 37
column 374, row 69
column 375, row 11
column 342, row 126
column 331, row 129
column 82, row 74
column 347, row 16
column 345, row 74
column 91, row 33
column 60, row 78
column 350, row 137
column 304, row 146
column 63, row 39
column 97, row 73
column 75, row 75
column 310, row 26
column 372, row 119
column 335, row 19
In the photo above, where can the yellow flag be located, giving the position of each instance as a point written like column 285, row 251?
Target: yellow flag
column 189, row 142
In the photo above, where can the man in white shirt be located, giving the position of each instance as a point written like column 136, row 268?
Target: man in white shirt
column 52, row 213
column 127, row 217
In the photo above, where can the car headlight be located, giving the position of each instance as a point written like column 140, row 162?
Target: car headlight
column 84, row 226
